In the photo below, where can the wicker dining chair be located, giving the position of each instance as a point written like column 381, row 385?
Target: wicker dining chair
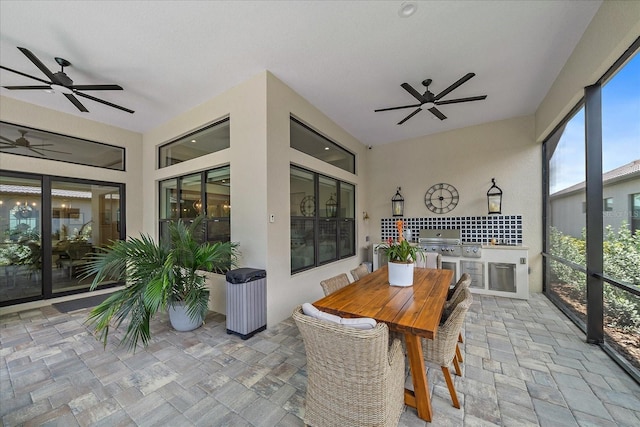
column 359, row 272
column 429, row 260
column 454, row 296
column 465, row 278
column 354, row 377
column 332, row 284
column 442, row 349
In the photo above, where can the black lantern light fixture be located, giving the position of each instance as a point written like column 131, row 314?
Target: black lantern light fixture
column 397, row 203
column 332, row 207
column 494, row 198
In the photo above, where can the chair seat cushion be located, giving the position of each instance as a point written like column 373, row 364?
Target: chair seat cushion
column 356, row 322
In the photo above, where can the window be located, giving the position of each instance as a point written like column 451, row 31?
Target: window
column 25, row 141
column 607, row 204
column 310, row 142
column 51, row 226
column 204, row 193
column 204, row 141
column 635, row 212
column 322, row 219
column 566, row 212
column 603, row 243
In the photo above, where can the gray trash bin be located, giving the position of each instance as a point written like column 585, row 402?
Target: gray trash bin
column 246, row 302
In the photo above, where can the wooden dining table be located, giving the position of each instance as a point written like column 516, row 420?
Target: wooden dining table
column 414, row 311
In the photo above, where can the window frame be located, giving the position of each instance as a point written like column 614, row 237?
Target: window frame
column 60, row 138
column 319, row 218
column 327, row 142
column 596, row 279
column 206, row 235
column 184, row 140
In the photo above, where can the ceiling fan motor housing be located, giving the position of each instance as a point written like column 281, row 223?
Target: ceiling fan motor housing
column 63, row 79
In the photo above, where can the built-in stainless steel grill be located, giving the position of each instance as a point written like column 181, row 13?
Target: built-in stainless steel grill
column 447, row 242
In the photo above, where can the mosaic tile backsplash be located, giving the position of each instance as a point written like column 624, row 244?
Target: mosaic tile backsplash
column 474, row 229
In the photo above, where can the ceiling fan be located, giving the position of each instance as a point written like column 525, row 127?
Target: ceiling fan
column 430, row 101
column 23, row 142
column 60, row 82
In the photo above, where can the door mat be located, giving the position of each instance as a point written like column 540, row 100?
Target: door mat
column 79, row 304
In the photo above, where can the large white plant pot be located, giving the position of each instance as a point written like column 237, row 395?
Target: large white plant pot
column 400, row 274
column 180, row 319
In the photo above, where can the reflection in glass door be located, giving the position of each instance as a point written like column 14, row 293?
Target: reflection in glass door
column 20, row 238
column 84, row 217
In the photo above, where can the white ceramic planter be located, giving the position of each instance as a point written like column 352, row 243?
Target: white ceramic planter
column 400, row 274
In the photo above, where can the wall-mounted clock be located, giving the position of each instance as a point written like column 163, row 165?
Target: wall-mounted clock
column 308, row 206
column 441, row 198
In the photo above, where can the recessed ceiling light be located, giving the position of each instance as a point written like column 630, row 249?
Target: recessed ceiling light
column 407, row 8
column 193, row 140
column 326, row 148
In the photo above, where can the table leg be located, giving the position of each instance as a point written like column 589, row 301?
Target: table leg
column 421, row 399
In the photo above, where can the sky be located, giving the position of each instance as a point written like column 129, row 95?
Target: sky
column 620, row 130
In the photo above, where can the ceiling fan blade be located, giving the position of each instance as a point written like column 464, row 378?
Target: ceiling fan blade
column 397, row 108
column 437, row 113
column 455, row 85
column 35, row 151
column 42, row 145
column 8, row 148
column 96, row 87
column 25, row 75
column 84, row 95
column 75, row 102
column 39, row 64
column 409, row 116
column 455, row 101
column 417, row 95
column 39, row 87
column 4, row 138
column 53, row 151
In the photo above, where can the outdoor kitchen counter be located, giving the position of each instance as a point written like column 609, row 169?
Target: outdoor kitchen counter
column 513, row 247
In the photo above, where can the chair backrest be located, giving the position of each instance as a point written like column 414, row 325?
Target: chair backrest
column 332, row 284
column 464, row 280
column 77, row 250
column 359, row 272
column 353, row 376
column 429, row 260
column 442, row 349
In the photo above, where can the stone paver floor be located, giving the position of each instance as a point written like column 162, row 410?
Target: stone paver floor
column 525, row 364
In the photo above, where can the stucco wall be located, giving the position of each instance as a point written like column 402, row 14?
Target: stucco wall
column 22, row 113
column 285, row 290
column 467, row 159
column 259, row 157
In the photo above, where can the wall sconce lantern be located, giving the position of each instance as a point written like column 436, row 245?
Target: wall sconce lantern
column 397, row 203
column 197, row 206
column 332, row 207
column 494, row 198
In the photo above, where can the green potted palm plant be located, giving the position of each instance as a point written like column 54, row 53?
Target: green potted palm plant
column 163, row 275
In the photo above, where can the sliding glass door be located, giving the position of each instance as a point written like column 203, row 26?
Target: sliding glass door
column 21, row 238
column 50, row 227
column 84, row 217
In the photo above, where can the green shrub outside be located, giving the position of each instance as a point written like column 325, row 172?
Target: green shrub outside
column 621, row 260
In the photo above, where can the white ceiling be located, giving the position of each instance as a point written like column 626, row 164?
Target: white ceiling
column 345, row 57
